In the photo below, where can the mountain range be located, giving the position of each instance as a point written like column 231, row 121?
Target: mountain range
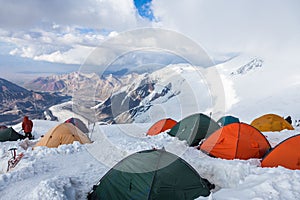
column 144, row 97
column 16, row 102
column 151, row 96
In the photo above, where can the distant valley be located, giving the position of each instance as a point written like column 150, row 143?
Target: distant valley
column 134, row 97
column 16, row 102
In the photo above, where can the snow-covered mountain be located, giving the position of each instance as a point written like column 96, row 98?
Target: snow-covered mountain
column 182, row 84
column 246, row 81
column 123, row 99
column 269, row 87
column 252, row 65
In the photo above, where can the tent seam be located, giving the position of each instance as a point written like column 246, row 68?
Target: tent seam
column 237, row 145
column 155, row 172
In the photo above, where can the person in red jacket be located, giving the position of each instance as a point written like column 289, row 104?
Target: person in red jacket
column 27, row 127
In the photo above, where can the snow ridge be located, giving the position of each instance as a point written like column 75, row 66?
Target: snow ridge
column 252, row 65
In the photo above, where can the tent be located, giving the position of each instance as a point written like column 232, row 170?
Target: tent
column 284, row 154
column 3, row 127
column 271, row 122
column 225, row 120
column 236, row 141
column 194, row 128
column 151, row 174
column 65, row 133
column 9, row 134
column 78, row 123
column 161, row 126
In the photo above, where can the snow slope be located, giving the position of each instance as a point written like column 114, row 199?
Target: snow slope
column 69, row 172
column 189, row 93
column 252, row 86
column 271, row 88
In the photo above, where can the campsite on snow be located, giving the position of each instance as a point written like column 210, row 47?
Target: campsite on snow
column 162, row 151
column 149, row 100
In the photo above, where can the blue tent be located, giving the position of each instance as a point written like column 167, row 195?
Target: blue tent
column 225, row 120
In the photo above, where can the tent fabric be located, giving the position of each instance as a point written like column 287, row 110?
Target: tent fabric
column 151, row 174
column 78, row 123
column 225, row 120
column 161, row 126
column 194, row 128
column 65, row 133
column 236, row 141
column 9, row 134
column 271, row 122
column 3, row 127
column 284, row 154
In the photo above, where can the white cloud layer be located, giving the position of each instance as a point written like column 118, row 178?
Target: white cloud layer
column 71, row 47
column 262, row 27
column 108, row 14
column 63, row 31
column 67, row 31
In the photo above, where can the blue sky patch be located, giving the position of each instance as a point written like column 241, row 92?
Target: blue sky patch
column 144, row 8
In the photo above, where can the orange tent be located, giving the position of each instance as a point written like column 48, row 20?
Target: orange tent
column 285, row 154
column 65, row 133
column 271, row 122
column 236, row 141
column 161, row 126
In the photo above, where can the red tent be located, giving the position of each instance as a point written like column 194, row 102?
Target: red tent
column 161, row 126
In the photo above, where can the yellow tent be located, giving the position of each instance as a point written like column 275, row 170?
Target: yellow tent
column 271, row 122
column 65, row 133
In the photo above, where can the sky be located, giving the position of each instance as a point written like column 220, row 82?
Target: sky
column 57, row 37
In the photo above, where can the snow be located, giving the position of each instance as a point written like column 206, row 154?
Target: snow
column 267, row 89
column 185, row 98
column 70, row 171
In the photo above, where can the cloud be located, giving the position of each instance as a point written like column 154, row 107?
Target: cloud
column 143, row 45
column 110, row 14
column 71, row 47
column 261, row 27
column 67, row 31
column 63, row 31
column 75, row 55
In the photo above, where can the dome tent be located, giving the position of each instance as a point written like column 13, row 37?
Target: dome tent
column 271, row 122
column 65, row 133
column 194, row 128
column 151, row 174
column 9, row 134
column 78, row 123
column 284, row 154
column 236, row 141
column 225, row 120
column 161, row 126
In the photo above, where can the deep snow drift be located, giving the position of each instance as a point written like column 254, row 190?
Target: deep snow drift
column 69, row 172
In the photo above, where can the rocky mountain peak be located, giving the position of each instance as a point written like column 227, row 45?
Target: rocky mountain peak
column 252, row 65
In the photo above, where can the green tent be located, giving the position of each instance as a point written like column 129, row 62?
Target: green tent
column 151, row 174
column 194, row 128
column 225, row 120
column 10, row 134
